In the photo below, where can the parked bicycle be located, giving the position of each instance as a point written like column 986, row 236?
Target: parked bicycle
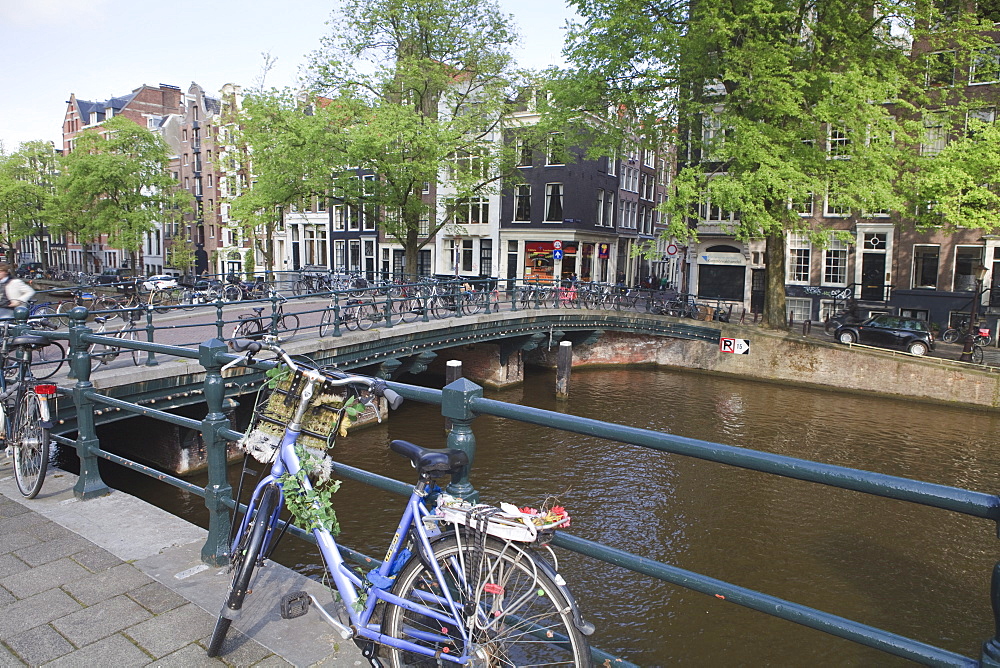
column 459, row 583
column 238, row 290
column 983, row 336
column 256, row 325
column 25, row 412
column 105, row 353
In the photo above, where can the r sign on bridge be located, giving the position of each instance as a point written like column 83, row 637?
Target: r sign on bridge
column 737, row 346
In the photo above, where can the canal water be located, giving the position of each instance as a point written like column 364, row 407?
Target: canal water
column 919, row 572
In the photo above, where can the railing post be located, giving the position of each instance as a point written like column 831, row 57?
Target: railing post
column 218, row 492
column 150, row 329
column 273, row 298
column 89, row 485
column 336, row 314
column 455, row 400
column 991, row 648
column 220, row 321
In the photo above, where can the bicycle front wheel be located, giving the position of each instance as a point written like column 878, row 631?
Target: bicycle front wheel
column 31, row 446
column 288, row 325
column 521, row 615
column 950, row 335
column 47, row 360
column 245, row 558
column 326, row 322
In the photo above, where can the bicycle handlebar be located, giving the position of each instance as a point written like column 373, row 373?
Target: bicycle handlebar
column 376, row 386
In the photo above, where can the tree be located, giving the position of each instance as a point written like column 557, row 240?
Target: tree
column 775, row 102
column 26, row 192
column 418, row 90
column 116, row 182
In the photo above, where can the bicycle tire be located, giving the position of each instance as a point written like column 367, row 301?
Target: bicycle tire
column 47, row 360
column 950, row 335
column 326, row 322
column 31, row 446
column 535, row 607
column 349, row 317
column 232, row 293
column 366, row 316
column 242, row 329
column 44, row 317
column 288, row 324
column 977, row 354
column 472, row 303
column 984, row 340
column 186, row 299
column 439, row 307
column 135, row 353
column 244, row 560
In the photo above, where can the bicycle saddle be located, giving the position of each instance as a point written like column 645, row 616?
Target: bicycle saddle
column 432, row 463
column 258, row 310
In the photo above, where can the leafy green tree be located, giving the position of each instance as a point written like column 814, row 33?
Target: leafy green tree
column 26, row 192
column 773, row 103
column 117, row 182
column 418, row 90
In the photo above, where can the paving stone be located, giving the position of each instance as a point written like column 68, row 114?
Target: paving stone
column 96, row 559
column 50, row 531
column 10, row 564
column 8, row 659
column 53, row 574
column 21, row 522
column 35, row 611
column 101, row 620
column 12, row 508
column 114, row 650
column 40, row 644
column 170, row 631
column 240, row 650
column 16, row 540
column 157, row 598
column 102, row 586
column 50, row 550
column 189, row 656
column 275, row 661
column 6, row 598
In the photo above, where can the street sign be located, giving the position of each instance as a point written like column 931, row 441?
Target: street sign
column 557, row 244
column 736, row 346
column 557, row 254
column 671, row 249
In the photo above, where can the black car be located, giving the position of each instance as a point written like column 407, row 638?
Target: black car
column 889, row 331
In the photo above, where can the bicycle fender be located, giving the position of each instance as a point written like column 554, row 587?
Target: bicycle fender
column 585, row 627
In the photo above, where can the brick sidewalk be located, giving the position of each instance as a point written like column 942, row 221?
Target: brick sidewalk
column 66, row 600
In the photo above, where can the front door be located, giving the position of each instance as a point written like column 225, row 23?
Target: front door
column 873, row 277
column 758, row 288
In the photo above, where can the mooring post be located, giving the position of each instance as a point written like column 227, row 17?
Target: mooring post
column 89, row 485
column 452, row 372
column 456, row 398
column 564, row 365
column 991, row 648
column 218, row 492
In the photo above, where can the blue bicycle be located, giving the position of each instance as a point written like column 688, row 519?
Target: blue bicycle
column 460, row 584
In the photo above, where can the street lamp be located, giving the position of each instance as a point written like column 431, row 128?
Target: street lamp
column 970, row 335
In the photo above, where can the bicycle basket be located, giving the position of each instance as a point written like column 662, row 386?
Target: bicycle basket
column 322, row 421
column 507, row 522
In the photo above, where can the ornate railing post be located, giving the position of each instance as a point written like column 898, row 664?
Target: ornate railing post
column 991, row 648
column 220, row 321
column 456, row 398
column 150, row 330
column 218, row 492
column 336, row 314
column 89, row 485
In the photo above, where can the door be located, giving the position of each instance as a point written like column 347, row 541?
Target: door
column 873, row 277
column 758, row 288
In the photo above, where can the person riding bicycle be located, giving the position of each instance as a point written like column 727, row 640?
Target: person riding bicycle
column 15, row 292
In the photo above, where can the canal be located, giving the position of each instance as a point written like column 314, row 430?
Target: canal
column 919, row 572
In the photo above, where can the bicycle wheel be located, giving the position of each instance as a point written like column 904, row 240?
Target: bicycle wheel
column 367, row 314
column 135, row 354
column 246, row 329
column 232, row 293
column 326, row 322
column 245, row 558
column 44, row 317
column 472, row 303
column 950, row 335
column 288, row 325
column 522, row 617
column 440, row 307
column 977, row 354
column 47, row 360
column 31, row 446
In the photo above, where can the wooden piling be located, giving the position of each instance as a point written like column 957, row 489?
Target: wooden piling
column 564, row 364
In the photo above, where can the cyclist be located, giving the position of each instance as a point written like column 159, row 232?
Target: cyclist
column 14, row 292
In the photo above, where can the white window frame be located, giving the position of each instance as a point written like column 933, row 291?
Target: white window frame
column 522, row 191
column 799, row 308
column 550, row 189
column 798, row 250
column 835, row 257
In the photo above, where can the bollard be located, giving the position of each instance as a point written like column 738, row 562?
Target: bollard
column 452, row 372
column 89, row 485
column 806, row 327
column 564, row 364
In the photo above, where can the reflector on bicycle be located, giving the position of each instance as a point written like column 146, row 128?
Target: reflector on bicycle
column 45, row 389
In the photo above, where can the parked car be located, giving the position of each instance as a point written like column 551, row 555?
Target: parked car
column 889, row 331
column 162, row 282
column 110, row 276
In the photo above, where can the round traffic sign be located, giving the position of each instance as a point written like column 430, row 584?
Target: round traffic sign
column 671, row 249
column 557, row 244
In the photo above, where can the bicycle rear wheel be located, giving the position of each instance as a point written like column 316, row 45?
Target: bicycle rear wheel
column 977, row 354
column 522, row 616
column 245, row 558
column 31, row 446
column 950, row 335
column 326, row 322
column 47, row 360
column 288, row 325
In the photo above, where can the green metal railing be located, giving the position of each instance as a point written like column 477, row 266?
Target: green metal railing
column 462, row 402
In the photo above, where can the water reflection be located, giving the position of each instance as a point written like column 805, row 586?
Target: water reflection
column 919, row 572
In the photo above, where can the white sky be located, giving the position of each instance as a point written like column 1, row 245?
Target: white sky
column 99, row 49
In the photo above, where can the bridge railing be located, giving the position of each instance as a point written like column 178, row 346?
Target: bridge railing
column 462, row 402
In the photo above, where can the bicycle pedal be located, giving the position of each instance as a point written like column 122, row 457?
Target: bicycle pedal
column 295, row 605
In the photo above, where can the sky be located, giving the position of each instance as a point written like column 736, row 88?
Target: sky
column 100, row 49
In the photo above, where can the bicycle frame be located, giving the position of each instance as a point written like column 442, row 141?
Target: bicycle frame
column 347, row 583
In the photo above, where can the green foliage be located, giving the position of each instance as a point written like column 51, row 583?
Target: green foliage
column 26, row 191
column 116, row 182
column 310, row 505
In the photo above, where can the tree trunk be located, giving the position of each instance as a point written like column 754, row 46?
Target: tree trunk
column 411, row 250
column 774, row 299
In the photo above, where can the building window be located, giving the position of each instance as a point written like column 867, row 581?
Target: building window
column 925, row 267
column 835, row 206
column 470, row 211
column 339, row 218
column 984, row 115
column 486, row 257
column 835, row 263
column 838, row 143
column 599, row 219
column 612, row 164
column 524, row 156
column 935, row 133
column 555, row 151
column 553, row 202
column 967, row 258
column 522, row 202
column 799, row 309
column 985, row 66
column 799, row 251
column 803, row 205
column 941, row 68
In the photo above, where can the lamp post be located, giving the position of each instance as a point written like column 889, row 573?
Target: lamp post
column 970, row 335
